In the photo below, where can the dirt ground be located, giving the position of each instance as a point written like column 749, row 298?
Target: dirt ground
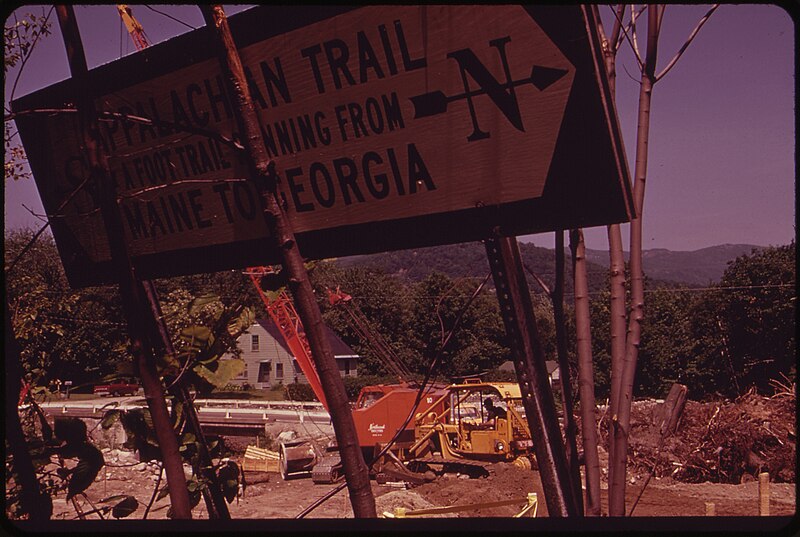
column 713, row 457
column 269, row 496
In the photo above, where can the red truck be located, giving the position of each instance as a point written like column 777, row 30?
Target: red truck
column 116, row 388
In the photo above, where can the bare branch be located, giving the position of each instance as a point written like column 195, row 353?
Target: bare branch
column 41, row 230
column 540, row 281
column 39, row 216
column 688, row 42
column 617, row 28
column 634, row 18
column 627, row 35
column 112, row 116
column 138, row 193
column 634, row 40
column 30, row 51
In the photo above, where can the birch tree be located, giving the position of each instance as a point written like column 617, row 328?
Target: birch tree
column 623, row 358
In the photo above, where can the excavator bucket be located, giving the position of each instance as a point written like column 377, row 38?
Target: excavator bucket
column 297, row 458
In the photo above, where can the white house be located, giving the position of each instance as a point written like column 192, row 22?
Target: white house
column 553, row 372
column 269, row 362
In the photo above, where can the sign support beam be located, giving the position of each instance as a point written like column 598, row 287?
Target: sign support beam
column 282, row 235
column 529, row 363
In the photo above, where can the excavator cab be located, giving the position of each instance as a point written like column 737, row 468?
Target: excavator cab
column 485, row 420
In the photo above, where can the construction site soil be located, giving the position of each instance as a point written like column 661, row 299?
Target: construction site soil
column 714, row 456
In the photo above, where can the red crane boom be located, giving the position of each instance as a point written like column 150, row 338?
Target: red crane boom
column 281, row 309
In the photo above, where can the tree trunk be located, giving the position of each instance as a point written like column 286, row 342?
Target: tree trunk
column 570, row 427
column 134, row 302
column 355, row 469
column 585, row 373
column 616, row 505
column 618, row 315
column 212, row 494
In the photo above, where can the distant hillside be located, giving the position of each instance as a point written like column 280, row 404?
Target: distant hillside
column 698, row 267
column 468, row 259
column 661, row 266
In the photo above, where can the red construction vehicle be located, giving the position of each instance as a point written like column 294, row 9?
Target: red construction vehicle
column 447, row 420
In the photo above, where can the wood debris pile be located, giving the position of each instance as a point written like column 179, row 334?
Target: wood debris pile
column 720, row 442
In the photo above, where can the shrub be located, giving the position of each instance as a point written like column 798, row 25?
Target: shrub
column 300, row 392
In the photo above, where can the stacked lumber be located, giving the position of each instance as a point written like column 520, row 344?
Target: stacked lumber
column 260, row 460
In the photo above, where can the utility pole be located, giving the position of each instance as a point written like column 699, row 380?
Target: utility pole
column 134, row 301
column 282, row 237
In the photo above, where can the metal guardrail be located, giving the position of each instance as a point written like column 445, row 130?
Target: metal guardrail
column 210, row 411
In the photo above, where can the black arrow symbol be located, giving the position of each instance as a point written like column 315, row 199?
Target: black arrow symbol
column 435, row 102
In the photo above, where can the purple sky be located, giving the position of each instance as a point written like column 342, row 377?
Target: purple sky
column 722, row 138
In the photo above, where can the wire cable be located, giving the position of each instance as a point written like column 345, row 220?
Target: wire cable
column 170, row 17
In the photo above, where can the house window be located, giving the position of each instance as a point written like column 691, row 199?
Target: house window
column 254, row 342
column 264, row 369
column 278, row 371
column 347, row 367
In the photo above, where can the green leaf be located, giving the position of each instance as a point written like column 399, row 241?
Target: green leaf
column 70, row 430
column 229, row 477
column 226, row 370
column 90, row 460
column 177, row 413
column 110, row 418
column 113, row 498
column 197, row 304
column 197, row 335
column 125, row 507
column 241, row 322
column 163, row 493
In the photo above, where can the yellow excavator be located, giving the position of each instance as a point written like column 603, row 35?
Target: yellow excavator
column 449, row 423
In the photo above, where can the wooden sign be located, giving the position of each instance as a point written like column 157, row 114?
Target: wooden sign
column 389, row 126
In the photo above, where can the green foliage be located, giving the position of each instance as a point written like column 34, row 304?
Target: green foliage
column 477, row 345
column 666, row 342
column 19, row 38
column 465, row 260
column 353, row 385
column 90, row 461
column 383, row 301
column 66, row 334
column 744, row 328
column 229, row 477
column 300, row 392
column 207, row 328
column 125, row 507
column 736, row 334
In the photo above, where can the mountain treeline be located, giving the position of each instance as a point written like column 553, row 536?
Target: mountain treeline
column 719, row 340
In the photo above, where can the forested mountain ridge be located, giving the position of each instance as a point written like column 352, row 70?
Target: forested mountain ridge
column 693, row 268
column 468, row 260
column 696, row 267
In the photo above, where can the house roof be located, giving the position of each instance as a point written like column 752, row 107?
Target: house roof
column 339, row 347
column 552, row 365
